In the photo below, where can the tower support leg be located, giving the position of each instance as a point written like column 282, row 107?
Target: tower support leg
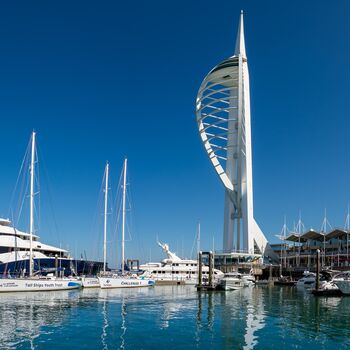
column 228, row 224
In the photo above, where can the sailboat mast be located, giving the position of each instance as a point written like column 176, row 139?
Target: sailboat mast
column 31, row 208
column 123, row 220
column 199, row 238
column 105, row 219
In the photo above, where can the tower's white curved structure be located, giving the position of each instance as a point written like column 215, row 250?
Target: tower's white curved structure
column 223, row 118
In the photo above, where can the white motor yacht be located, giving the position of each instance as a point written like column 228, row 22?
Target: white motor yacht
column 232, row 281
column 175, row 269
column 343, row 282
column 307, row 281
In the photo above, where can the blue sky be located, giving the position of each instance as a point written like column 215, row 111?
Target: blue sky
column 103, row 81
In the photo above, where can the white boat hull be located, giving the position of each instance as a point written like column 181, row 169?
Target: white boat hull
column 90, row 282
column 35, row 285
column 123, row 282
column 231, row 284
column 344, row 286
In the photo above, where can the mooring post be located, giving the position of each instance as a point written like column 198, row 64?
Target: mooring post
column 317, row 269
column 200, row 269
column 211, row 284
column 56, row 265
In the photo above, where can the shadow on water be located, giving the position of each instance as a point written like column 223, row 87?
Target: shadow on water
column 176, row 316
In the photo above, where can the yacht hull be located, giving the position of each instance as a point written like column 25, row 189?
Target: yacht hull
column 122, row 282
column 344, row 286
column 90, row 282
column 231, row 284
column 35, row 285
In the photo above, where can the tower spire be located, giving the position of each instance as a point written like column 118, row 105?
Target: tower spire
column 240, row 44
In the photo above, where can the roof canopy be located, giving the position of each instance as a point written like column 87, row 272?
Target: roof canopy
column 336, row 233
column 295, row 237
column 314, row 235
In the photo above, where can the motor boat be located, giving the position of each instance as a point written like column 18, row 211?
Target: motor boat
column 307, row 281
column 232, row 281
column 343, row 282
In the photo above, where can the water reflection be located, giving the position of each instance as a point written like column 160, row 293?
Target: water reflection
column 178, row 316
column 104, row 326
column 22, row 315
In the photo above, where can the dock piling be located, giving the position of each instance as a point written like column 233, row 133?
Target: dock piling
column 200, row 269
column 317, row 269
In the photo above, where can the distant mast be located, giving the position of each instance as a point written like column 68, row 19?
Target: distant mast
column 31, row 207
column 199, row 238
column 105, row 219
column 123, row 219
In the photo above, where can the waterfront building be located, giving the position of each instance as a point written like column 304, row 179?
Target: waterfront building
column 299, row 249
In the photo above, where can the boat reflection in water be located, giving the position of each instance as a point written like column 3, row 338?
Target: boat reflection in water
column 181, row 317
column 24, row 314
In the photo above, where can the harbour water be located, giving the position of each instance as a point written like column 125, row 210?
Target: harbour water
column 174, row 317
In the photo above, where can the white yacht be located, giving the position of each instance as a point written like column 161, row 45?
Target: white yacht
column 175, row 269
column 31, row 282
column 231, row 281
column 307, row 281
column 14, row 251
column 342, row 281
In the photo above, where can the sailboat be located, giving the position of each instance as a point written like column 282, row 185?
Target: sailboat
column 34, row 283
column 93, row 282
column 123, row 280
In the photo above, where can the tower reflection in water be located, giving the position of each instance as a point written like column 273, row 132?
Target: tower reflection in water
column 237, row 314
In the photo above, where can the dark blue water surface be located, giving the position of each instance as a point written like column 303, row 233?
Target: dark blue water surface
column 174, row 317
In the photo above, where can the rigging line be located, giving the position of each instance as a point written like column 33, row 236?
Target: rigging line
column 20, row 172
column 21, row 195
column 22, row 203
column 129, row 220
column 42, row 171
column 133, row 227
column 193, row 244
column 37, row 206
column 117, row 205
column 117, row 222
column 98, row 214
column 95, row 224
